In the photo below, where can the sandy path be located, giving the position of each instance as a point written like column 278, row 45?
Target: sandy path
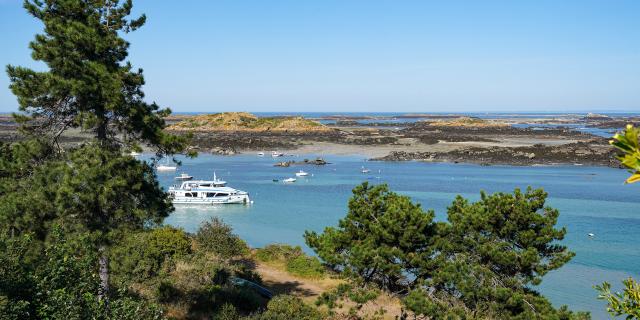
column 281, row 282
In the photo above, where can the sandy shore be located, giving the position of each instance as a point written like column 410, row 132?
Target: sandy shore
column 409, row 145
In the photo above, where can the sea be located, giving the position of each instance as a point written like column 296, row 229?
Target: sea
column 591, row 200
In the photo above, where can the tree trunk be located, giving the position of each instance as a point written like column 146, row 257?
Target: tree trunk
column 103, row 292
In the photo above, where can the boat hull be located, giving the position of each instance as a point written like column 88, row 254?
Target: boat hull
column 242, row 199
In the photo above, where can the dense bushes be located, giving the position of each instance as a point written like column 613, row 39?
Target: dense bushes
column 285, row 307
column 142, row 256
column 61, row 284
column 294, row 259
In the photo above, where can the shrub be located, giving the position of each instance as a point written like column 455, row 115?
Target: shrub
column 142, row 255
column 285, row 307
column 294, row 259
column 217, row 237
column 278, row 252
column 305, row 266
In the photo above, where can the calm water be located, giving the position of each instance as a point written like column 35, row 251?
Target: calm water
column 590, row 199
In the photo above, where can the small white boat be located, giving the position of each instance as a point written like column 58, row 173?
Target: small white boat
column 591, row 234
column 365, row 170
column 134, row 154
column 164, row 167
column 260, row 154
column 302, row 174
column 184, row 177
column 287, row 180
column 276, row 154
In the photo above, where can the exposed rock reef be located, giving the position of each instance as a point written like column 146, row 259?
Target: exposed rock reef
column 426, row 137
column 580, row 153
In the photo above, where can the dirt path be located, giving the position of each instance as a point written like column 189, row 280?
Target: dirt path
column 276, row 279
column 281, row 282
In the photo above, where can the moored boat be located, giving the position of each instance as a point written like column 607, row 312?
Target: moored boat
column 302, row 173
column 164, row 167
column 184, row 176
column 207, row 192
column 289, row 180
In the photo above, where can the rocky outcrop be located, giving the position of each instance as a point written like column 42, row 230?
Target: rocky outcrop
column 574, row 153
column 317, row 162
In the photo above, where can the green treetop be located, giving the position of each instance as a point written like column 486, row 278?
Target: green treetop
column 383, row 239
column 88, row 84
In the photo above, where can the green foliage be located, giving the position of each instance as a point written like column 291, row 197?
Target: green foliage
column 627, row 142
column 359, row 294
column 88, row 84
column 278, row 252
column 383, row 239
column 481, row 263
column 16, row 282
column 227, row 312
column 85, row 189
column 295, row 260
column 285, row 307
column 62, row 284
column 217, row 237
column 143, row 255
column 625, row 303
column 305, row 266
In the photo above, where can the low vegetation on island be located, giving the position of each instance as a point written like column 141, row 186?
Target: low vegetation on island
column 243, row 121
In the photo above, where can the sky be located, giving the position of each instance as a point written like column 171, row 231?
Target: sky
column 373, row 55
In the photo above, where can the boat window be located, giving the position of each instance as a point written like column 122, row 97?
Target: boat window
column 205, row 185
column 191, row 194
column 211, row 194
column 187, row 194
column 222, row 194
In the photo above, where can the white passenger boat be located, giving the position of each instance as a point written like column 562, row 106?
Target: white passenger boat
column 287, row 180
column 184, row 177
column 207, row 192
column 276, row 154
column 302, row 173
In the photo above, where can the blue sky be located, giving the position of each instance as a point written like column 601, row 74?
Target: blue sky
column 374, row 55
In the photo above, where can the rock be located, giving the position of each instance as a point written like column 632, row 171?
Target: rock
column 223, row 151
column 283, row 164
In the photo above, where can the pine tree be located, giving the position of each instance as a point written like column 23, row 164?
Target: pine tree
column 384, row 239
column 89, row 85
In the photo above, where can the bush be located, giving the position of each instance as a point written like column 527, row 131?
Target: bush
column 285, row 307
column 294, row 259
column 217, row 237
column 305, row 266
column 141, row 256
column 278, row 252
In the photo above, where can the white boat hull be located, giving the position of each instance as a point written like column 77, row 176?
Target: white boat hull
column 241, row 199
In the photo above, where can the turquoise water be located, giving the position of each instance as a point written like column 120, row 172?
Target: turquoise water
column 590, row 199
